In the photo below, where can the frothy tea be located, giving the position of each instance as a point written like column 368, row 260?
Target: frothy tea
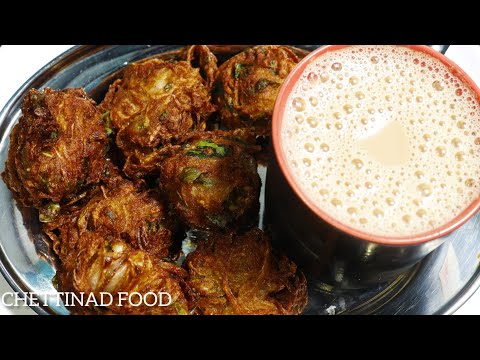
column 385, row 139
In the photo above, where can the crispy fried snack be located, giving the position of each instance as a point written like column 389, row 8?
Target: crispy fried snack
column 239, row 274
column 138, row 217
column 110, row 265
column 247, row 85
column 156, row 103
column 200, row 56
column 212, row 180
column 57, row 149
column 115, row 243
column 128, row 212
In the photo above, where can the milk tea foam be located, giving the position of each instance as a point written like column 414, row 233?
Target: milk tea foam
column 384, row 139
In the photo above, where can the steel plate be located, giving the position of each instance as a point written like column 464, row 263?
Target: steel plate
column 438, row 285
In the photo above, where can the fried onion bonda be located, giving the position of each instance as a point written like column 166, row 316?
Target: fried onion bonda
column 156, row 103
column 108, row 264
column 128, row 211
column 239, row 274
column 57, row 149
column 247, row 85
column 138, row 216
column 119, row 242
column 212, row 180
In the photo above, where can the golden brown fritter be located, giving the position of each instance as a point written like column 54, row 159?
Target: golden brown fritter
column 126, row 211
column 118, row 242
column 156, row 103
column 247, row 85
column 200, row 56
column 239, row 274
column 212, row 180
column 110, row 265
column 57, row 149
column 139, row 217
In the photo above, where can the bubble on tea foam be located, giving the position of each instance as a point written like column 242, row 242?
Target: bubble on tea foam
column 357, row 163
column 421, row 213
column 437, row 85
column 312, row 121
column 312, row 78
column 419, row 174
column 378, row 213
column 406, row 219
column 336, row 66
column 353, row 211
column 309, row 147
column 336, row 202
column 384, row 85
column 299, row 119
column 390, row 201
column 299, row 104
column 324, row 147
column 360, row 95
column 324, row 192
column 424, row 189
column 348, row 108
column 460, row 156
column 469, row 182
column 441, row 151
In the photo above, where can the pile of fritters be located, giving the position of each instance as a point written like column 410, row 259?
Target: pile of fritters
column 118, row 185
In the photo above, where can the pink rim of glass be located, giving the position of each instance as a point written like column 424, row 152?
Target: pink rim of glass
column 277, row 119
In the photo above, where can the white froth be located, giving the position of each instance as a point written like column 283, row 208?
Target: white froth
column 385, row 139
